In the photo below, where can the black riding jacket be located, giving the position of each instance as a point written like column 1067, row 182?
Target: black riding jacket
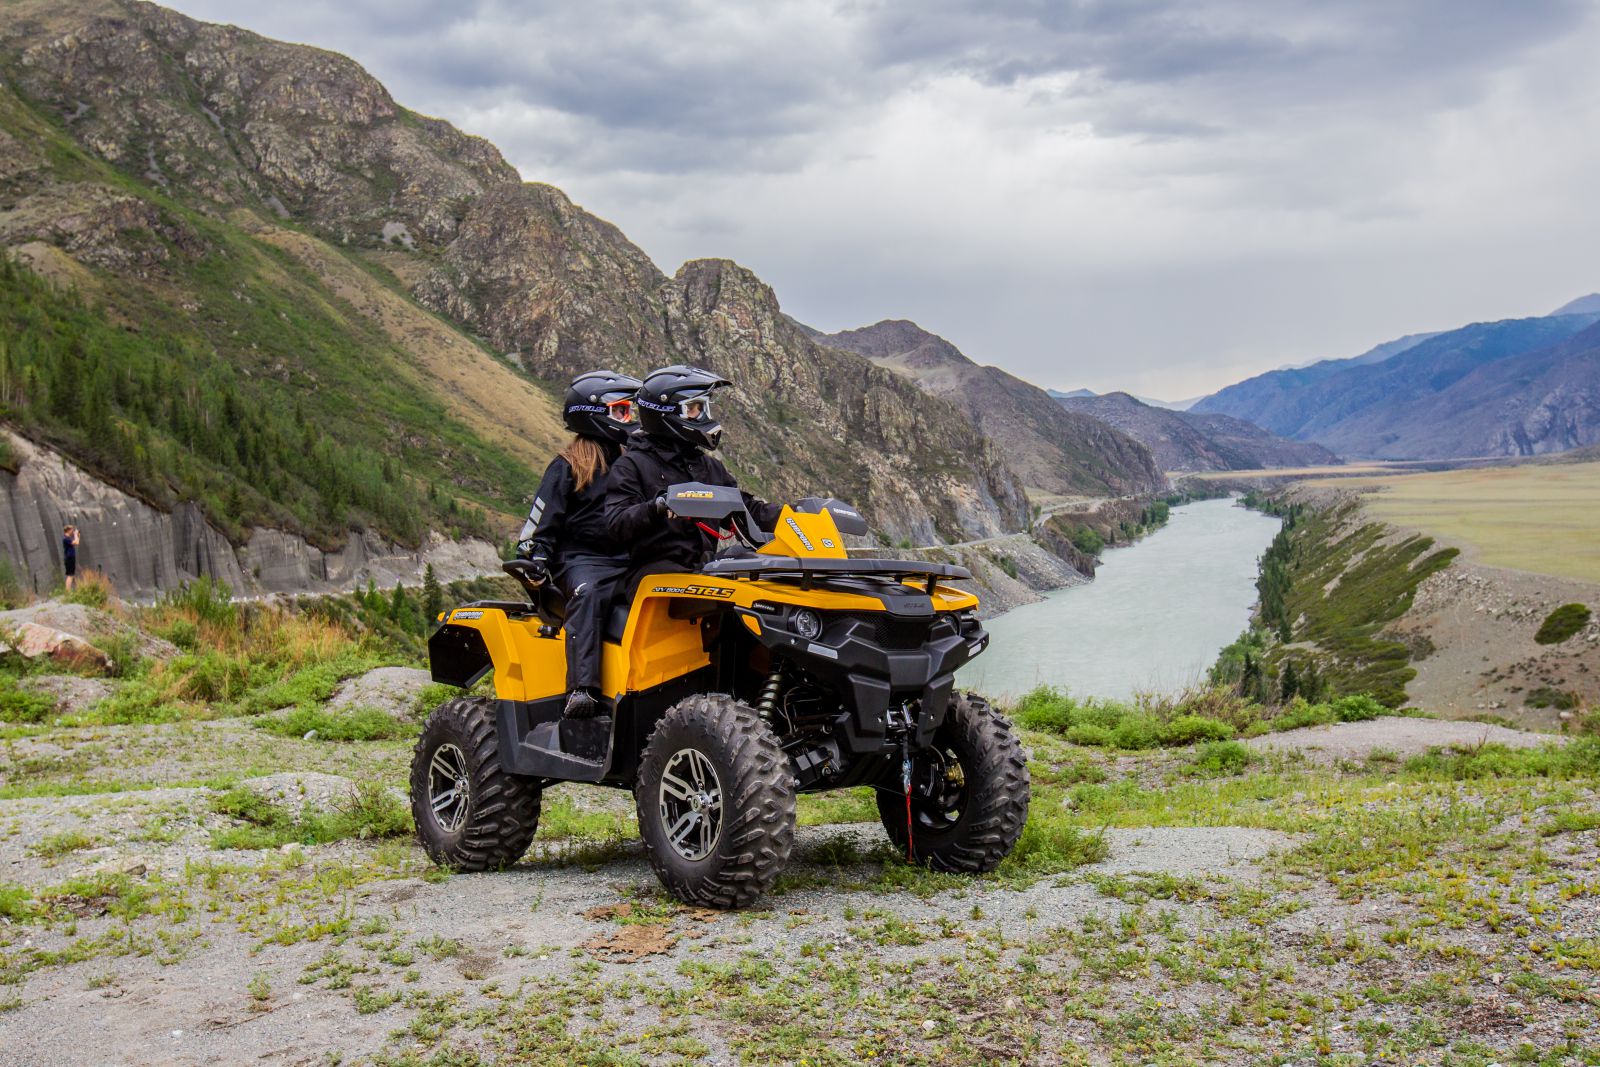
column 564, row 521
column 643, row 473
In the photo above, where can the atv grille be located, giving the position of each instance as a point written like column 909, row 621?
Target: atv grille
column 892, row 632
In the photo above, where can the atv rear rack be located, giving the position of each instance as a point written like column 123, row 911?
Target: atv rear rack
column 773, row 566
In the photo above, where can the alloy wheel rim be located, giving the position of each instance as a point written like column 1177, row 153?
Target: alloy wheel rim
column 691, row 804
column 449, row 788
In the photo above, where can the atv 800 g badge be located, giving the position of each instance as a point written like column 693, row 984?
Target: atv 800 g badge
column 694, row 590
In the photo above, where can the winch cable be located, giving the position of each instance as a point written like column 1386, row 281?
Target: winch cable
column 905, row 782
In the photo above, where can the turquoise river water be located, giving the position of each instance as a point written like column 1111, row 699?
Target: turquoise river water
column 1153, row 619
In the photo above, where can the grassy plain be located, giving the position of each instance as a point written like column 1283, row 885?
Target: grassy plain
column 1534, row 517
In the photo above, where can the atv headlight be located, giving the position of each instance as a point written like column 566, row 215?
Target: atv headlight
column 808, row 624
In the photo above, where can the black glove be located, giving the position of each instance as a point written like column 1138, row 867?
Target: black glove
column 660, row 505
column 538, row 570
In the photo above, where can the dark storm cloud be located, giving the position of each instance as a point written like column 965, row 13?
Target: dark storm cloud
column 685, row 85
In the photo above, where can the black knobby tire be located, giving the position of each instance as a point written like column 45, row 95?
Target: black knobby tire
column 969, row 825
column 756, row 799
column 497, row 820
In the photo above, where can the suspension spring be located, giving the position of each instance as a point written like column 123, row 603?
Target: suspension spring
column 767, row 705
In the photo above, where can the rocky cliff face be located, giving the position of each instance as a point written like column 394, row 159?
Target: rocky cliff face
column 1052, row 449
column 1198, row 441
column 231, row 121
column 145, row 551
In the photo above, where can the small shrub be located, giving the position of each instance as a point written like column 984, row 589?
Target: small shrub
column 1050, row 843
column 208, row 600
column 12, row 593
column 1358, row 708
column 1546, row 697
column 1300, row 714
column 1219, row 758
column 1137, row 732
column 62, row 843
column 91, row 589
column 17, row 705
column 1562, row 623
column 1045, row 708
column 1189, row 729
column 1090, row 734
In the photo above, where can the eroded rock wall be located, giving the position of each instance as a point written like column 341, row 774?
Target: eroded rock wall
column 144, row 550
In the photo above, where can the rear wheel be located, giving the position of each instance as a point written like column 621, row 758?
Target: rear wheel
column 716, row 802
column 471, row 814
column 969, row 792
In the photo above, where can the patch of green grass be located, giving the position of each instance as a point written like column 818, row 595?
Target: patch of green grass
column 1570, row 822
column 356, row 724
column 837, row 806
column 16, row 902
column 1577, row 759
column 371, row 811
column 1562, row 623
column 19, row 705
column 1099, row 723
column 62, row 843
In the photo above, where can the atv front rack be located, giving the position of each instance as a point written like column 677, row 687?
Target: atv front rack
column 772, row 566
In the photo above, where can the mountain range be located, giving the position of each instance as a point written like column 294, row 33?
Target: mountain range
column 1513, row 387
column 1055, row 450
column 1198, row 441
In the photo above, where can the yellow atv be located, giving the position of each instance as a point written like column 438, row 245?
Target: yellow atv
column 780, row 669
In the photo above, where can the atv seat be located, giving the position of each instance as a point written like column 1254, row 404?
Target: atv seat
column 551, row 604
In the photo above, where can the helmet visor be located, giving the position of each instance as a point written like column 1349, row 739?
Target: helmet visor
column 696, row 408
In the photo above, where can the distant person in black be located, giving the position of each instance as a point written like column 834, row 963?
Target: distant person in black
column 676, row 432
column 565, row 535
column 69, row 554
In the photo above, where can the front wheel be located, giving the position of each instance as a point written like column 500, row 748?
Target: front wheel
column 471, row 814
column 969, row 793
column 716, row 802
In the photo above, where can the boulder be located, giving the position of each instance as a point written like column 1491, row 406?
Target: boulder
column 392, row 690
column 90, row 626
column 71, row 693
column 34, row 641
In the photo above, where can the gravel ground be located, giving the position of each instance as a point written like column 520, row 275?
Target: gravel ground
column 1402, row 737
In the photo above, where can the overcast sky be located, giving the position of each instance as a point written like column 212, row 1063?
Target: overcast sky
column 1155, row 196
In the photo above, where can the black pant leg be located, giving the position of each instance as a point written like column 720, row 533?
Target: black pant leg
column 591, row 587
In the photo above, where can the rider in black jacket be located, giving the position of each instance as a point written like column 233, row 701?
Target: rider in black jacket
column 676, row 432
column 566, row 535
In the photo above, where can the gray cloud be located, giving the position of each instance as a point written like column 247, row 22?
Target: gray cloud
column 1127, row 192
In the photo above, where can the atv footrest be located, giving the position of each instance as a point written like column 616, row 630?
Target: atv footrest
column 586, row 738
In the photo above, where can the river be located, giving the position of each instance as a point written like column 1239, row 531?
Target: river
column 1153, row 619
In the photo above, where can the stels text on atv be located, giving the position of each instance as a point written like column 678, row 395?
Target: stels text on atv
column 786, row 670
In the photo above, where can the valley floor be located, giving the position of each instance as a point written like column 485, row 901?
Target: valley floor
column 1344, row 898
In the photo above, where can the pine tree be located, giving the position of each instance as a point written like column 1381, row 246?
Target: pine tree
column 432, row 595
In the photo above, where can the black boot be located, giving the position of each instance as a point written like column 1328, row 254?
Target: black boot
column 583, row 704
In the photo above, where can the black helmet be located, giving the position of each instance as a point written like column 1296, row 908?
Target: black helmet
column 675, row 403
column 600, row 404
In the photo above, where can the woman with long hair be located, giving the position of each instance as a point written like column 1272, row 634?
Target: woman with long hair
column 566, row 536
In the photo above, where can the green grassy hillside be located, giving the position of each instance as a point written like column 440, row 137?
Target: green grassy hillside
column 183, row 356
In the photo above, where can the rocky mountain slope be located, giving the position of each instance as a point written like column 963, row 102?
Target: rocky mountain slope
column 1197, row 441
column 215, row 183
column 1053, row 449
column 1533, row 395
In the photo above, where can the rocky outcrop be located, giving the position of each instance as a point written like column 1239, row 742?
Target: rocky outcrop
column 1052, row 449
column 391, row 690
column 89, row 626
column 144, row 550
